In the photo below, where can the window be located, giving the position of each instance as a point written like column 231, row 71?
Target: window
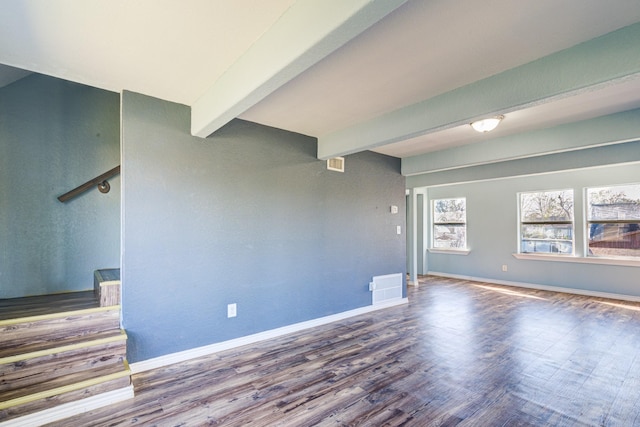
column 449, row 224
column 613, row 221
column 546, row 222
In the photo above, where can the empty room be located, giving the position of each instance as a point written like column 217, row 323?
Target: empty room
column 319, row 212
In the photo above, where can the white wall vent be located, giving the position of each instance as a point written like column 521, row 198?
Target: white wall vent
column 386, row 288
column 336, row 164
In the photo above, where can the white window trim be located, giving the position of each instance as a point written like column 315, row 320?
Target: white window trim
column 628, row 262
column 449, row 251
column 549, row 256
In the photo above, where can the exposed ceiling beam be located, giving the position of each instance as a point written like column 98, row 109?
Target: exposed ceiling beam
column 605, row 130
column 306, row 33
column 603, row 60
column 592, row 157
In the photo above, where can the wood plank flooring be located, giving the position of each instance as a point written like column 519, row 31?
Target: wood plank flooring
column 12, row 308
column 459, row 354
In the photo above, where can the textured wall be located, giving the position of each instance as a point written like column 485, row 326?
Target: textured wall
column 54, row 136
column 247, row 216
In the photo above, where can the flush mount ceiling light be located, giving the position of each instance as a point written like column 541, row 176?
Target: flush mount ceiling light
column 487, row 125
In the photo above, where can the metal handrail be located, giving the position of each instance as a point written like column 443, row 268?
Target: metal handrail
column 99, row 181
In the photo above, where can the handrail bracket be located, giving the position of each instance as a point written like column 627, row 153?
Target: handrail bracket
column 99, row 181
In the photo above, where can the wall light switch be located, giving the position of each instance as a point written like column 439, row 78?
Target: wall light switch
column 232, row 310
column 394, row 209
column 399, row 229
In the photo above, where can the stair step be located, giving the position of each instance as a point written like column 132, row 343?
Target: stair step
column 40, row 366
column 56, row 351
column 63, row 390
column 44, row 348
column 18, row 332
column 65, row 384
column 61, row 411
column 46, row 304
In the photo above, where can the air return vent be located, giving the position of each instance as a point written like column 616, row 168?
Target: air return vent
column 336, row 164
column 386, row 288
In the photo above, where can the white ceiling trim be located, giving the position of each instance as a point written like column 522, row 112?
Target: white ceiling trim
column 305, row 34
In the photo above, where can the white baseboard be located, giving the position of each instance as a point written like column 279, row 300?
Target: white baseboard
column 70, row 409
column 193, row 353
column 584, row 292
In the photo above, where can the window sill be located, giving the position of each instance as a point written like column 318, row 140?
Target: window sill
column 579, row 259
column 449, row 251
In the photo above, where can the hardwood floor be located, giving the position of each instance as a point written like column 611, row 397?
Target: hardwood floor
column 459, row 354
column 12, row 308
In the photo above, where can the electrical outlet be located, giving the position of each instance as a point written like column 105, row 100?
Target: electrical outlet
column 232, row 310
column 504, row 267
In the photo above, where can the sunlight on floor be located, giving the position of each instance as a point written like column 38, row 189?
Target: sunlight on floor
column 620, row 305
column 509, row 292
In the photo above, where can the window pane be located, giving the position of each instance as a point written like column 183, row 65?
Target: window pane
column 548, row 231
column 547, row 238
column 449, row 210
column 545, row 206
column 450, row 236
column 620, row 202
column 608, row 240
column 449, row 223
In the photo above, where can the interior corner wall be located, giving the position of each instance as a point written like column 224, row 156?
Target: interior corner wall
column 54, row 136
column 492, row 232
column 247, row 216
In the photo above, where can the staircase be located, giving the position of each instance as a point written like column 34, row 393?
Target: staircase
column 59, row 356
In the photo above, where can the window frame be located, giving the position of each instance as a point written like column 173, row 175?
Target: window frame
column 588, row 222
column 522, row 223
column 464, row 250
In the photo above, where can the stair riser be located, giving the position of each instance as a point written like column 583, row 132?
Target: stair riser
column 13, row 336
column 50, row 358
column 51, row 402
column 28, row 372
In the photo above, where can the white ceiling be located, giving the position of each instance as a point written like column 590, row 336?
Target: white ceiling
column 177, row 50
column 170, row 49
column 426, row 48
column 607, row 100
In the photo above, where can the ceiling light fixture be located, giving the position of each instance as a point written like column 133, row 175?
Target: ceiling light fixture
column 487, row 125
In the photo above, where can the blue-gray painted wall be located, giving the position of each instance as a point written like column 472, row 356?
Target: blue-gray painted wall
column 246, row 216
column 54, row 136
column 492, row 225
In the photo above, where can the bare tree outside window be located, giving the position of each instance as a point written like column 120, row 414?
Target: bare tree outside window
column 449, row 224
column 546, row 222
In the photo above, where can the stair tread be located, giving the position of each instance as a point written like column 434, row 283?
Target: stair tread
column 58, row 349
column 64, row 381
column 9, row 354
column 24, row 318
column 15, row 333
column 47, row 304
column 28, row 407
